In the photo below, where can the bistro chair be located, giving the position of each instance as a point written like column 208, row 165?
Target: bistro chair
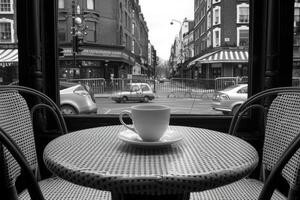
column 18, row 138
column 281, row 141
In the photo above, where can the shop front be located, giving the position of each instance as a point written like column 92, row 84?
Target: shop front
column 96, row 63
column 221, row 63
column 8, row 65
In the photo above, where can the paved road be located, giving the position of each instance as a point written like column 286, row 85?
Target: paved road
column 178, row 105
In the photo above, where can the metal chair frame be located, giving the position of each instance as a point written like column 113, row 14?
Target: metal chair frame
column 35, row 188
column 269, row 184
column 51, row 105
column 32, row 185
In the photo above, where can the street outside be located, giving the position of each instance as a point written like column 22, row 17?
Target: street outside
column 178, row 105
column 179, row 102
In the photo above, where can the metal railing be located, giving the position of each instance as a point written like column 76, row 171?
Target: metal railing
column 224, row 82
column 175, row 87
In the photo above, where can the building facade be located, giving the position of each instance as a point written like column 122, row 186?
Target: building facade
column 114, row 39
column 221, row 39
column 8, row 42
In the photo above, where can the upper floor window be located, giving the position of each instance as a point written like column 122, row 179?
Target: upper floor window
column 132, row 28
column 208, row 39
column 243, row 36
column 91, row 31
column 6, row 31
column 126, row 20
column 216, row 37
column 6, row 6
column 208, row 20
column 216, row 15
column 243, row 13
column 216, row 1
column 132, row 46
column 90, row 4
column 208, row 4
column 61, row 4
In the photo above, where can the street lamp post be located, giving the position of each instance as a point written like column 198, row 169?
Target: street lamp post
column 181, row 44
column 78, row 30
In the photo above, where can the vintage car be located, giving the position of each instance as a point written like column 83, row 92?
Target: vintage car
column 141, row 92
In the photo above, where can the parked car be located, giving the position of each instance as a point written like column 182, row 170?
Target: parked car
column 229, row 100
column 134, row 92
column 76, row 98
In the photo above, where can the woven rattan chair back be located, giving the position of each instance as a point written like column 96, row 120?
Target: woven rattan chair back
column 282, row 126
column 15, row 119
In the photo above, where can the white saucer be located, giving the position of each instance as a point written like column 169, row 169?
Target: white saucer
column 130, row 137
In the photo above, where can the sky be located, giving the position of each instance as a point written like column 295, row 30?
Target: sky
column 158, row 14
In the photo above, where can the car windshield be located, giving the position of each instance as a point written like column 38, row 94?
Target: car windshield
column 127, row 88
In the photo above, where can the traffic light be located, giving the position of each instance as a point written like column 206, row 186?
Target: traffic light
column 77, row 43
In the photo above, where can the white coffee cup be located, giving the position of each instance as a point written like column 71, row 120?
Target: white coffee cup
column 150, row 122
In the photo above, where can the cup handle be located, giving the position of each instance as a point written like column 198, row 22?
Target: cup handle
column 126, row 112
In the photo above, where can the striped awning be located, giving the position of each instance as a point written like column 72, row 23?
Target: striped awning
column 8, row 57
column 223, row 56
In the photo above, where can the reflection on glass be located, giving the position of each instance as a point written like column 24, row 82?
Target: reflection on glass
column 106, row 45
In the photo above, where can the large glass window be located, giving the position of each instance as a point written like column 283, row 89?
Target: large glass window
column 100, row 60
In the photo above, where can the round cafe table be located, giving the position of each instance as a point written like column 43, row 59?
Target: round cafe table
column 97, row 158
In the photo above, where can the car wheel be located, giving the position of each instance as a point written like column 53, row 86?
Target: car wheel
column 146, row 99
column 68, row 110
column 235, row 109
column 124, row 99
column 118, row 101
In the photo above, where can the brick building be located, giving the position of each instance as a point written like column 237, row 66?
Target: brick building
column 221, row 39
column 116, row 40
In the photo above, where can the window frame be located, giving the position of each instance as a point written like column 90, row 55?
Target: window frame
column 61, row 4
column 208, row 39
column 208, row 20
column 238, row 7
column 11, row 22
column 218, row 29
column 258, row 39
column 11, row 8
column 216, row 8
column 93, row 4
column 238, row 29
